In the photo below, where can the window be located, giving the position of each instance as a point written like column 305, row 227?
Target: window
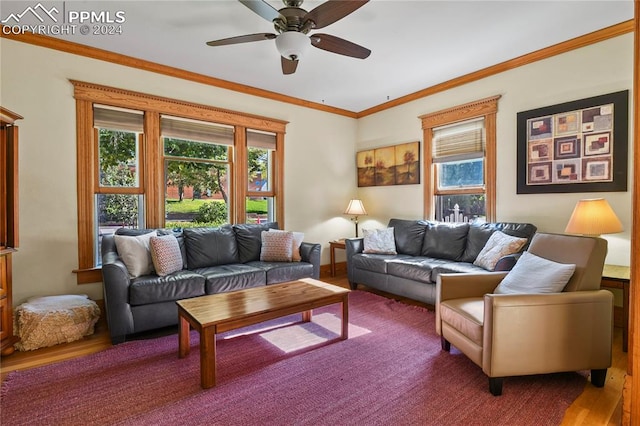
column 119, row 198
column 459, row 158
column 146, row 162
column 197, row 172
column 261, row 150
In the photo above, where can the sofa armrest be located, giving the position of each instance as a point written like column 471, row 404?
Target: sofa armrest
column 464, row 285
column 310, row 252
column 116, row 281
column 352, row 246
column 458, row 286
column 547, row 332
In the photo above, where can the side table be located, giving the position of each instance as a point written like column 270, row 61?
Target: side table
column 614, row 276
column 333, row 245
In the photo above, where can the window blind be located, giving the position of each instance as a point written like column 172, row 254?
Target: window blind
column 201, row 131
column 118, row 119
column 460, row 141
column 261, row 139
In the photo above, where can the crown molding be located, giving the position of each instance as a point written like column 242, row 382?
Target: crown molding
column 129, row 61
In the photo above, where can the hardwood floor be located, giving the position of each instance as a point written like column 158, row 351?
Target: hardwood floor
column 595, row 406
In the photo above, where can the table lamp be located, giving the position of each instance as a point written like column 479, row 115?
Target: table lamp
column 356, row 209
column 593, row 217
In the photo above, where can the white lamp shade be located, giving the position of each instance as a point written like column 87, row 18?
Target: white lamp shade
column 292, row 44
column 593, row 217
column 356, row 208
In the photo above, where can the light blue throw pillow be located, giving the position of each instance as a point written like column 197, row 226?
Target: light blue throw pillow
column 533, row 274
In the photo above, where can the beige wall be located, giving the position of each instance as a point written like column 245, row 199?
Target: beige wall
column 594, row 70
column 319, row 162
column 319, row 154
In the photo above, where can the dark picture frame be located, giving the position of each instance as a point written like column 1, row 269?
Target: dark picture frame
column 577, row 146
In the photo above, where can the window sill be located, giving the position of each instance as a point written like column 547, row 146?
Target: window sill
column 88, row 276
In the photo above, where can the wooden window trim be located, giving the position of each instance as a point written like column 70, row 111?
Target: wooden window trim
column 151, row 179
column 486, row 108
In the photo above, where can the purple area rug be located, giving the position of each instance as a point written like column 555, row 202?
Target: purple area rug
column 390, row 371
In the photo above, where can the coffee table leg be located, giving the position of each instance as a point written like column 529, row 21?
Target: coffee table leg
column 306, row 316
column 183, row 337
column 207, row 358
column 345, row 317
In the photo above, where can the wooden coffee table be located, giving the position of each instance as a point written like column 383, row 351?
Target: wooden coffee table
column 217, row 313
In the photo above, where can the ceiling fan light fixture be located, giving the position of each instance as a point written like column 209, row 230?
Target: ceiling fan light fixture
column 292, row 44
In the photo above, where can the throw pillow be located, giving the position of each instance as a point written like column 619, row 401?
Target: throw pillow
column 534, row 274
column 498, row 245
column 295, row 246
column 379, row 241
column 276, row 246
column 166, row 255
column 135, row 253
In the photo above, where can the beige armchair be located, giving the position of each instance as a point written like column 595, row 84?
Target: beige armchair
column 522, row 334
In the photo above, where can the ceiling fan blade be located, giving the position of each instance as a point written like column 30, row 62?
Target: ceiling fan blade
column 340, row 46
column 263, row 9
column 331, row 11
column 288, row 66
column 242, row 39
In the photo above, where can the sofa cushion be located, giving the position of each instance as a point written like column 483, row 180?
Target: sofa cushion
column 534, row 274
column 276, row 246
column 413, row 268
column 454, row 268
column 166, row 255
column 445, row 240
column 153, row 289
column 498, row 245
column 279, row 272
column 249, row 240
column 375, row 262
column 379, row 241
column 135, row 253
column 210, row 246
column 465, row 315
column 409, row 235
column 223, row 278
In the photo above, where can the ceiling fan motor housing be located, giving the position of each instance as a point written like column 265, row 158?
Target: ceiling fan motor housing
column 292, row 45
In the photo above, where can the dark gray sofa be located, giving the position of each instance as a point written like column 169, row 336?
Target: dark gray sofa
column 425, row 250
column 215, row 260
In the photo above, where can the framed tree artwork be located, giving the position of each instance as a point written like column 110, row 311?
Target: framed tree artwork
column 578, row 146
column 391, row 165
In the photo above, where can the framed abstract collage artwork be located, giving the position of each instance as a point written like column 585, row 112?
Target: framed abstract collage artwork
column 391, row 165
column 578, row 146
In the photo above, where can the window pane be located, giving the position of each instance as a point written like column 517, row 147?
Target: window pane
column 460, row 208
column 458, row 174
column 260, row 209
column 118, row 158
column 259, row 166
column 115, row 211
column 191, row 149
column 196, row 194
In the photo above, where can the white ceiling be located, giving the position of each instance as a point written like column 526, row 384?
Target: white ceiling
column 415, row 44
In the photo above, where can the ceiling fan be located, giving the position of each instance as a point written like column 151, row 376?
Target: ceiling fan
column 292, row 24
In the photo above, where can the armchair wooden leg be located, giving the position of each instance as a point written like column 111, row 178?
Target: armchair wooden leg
column 598, row 377
column 495, row 385
column 446, row 345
